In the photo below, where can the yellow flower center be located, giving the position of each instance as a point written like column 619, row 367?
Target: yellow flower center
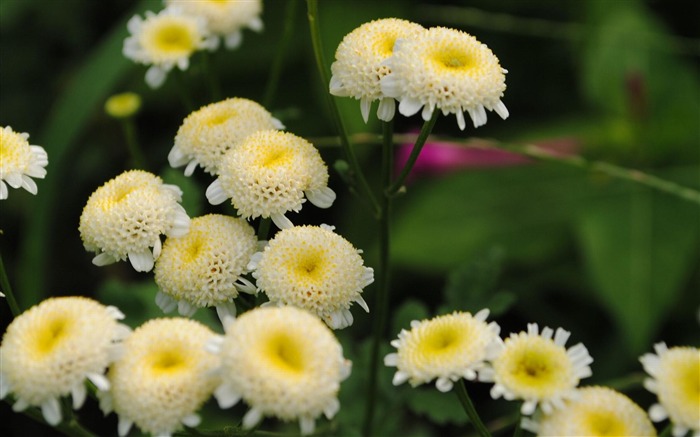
column 123, row 105
column 14, row 151
column 601, row 423
column 285, row 353
column 169, row 38
column 219, row 117
column 194, row 248
column 52, row 334
column 168, row 361
column 689, row 381
column 453, row 59
column 385, row 48
column 442, row 340
column 275, row 157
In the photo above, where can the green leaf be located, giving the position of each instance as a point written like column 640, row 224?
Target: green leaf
column 440, row 408
column 639, row 248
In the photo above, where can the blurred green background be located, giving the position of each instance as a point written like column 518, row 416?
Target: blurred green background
column 616, row 263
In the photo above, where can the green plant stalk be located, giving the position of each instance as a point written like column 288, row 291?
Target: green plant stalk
column 356, row 172
column 277, row 63
column 212, row 79
column 666, row 431
column 381, row 305
column 417, row 147
column 7, row 290
column 470, row 410
column 518, row 431
column 138, row 160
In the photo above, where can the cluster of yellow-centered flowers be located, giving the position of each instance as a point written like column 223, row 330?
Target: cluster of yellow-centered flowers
column 20, row 162
column 166, row 40
column 537, row 368
column 268, row 174
column 208, row 133
column 225, row 18
column 283, row 362
column 675, row 378
column 163, row 377
column 51, row 349
column 125, row 217
column 446, row 348
column 313, row 268
column 204, row 267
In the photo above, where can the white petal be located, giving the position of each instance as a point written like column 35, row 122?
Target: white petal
column 103, row 259
column 391, row 86
column 386, row 109
column 181, row 223
column 78, row 394
column 460, row 120
column 124, row 426
column 215, row 193
column 191, row 166
column 331, row 408
column 367, row 276
column 501, row 110
column 256, row 24
column 278, row 124
column 157, row 247
column 166, row 303
column 322, row 197
column 245, row 286
column 360, row 301
column 14, row 179
column 254, row 261
column 51, row 410
column 4, row 386
column 335, row 87
column 233, row 40
column 427, row 112
column 29, row 185
column 100, row 381
column 115, row 313
column 155, row 77
column 226, row 397
column 185, row 308
column 391, row 360
column 657, row 413
column 528, row 407
column 408, row 107
column 306, row 425
column 141, row 261
column 400, row 377
column 191, row 420
column 444, row 384
column 226, row 311
column 365, row 106
column 3, row 190
column 176, row 158
column 214, row 344
column 281, row 221
column 252, row 418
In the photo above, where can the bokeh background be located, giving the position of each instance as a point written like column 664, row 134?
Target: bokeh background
column 615, row 262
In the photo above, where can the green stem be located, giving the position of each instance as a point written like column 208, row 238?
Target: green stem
column 212, row 79
column 518, row 431
column 70, row 427
column 355, row 170
column 282, row 47
column 138, row 160
column 182, row 89
column 264, row 228
column 470, row 410
column 7, row 290
column 381, row 305
column 666, row 431
column 417, row 147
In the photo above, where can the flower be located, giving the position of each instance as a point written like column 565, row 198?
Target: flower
column 165, row 40
column 123, row 105
column 359, row 63
column 448, row 347
column 20, row 162
column 163, row 377
column 445, row 69
column 538, row 369
column 209, row 132
column 595, row 411
column 283, row 362
column 268, row 174
column 225, row 17
column 49, row 350
column 314, row 268
column 126, row 216
column 675, row 379
column 204, row 267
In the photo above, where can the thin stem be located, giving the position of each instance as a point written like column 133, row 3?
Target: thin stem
column 282, row 47
column 666, row 431
column 518, row 431
column 212, row 79
column 7, row 290
column 356, row 174
column 417, row 147
column 264, row 228
column 470, row 410
column 381, row 305
column 138, row 160
column 182, row 90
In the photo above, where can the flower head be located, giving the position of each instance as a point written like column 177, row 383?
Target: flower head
column 268, row 174
column 165, row 40
column 359, row 63
column 123, row 105
column 225, row 17
column 49, row 350
column 283, row 362
column 445, row 69
column 314, row 268
column 126, row 216
column 537, row 368
column 163, row 377
column 204, row 267
column 20, row 162
column 448, row 347
column 595, row 411
column 675, row 378
column 208, row 133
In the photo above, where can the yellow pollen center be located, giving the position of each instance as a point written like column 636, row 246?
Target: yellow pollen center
column 534, row 365
column 284, row 353
column 441, row 340
column 453, row 59
column 52, row 334
column 121, row 193
column 193, row 250
column 604, row 424
column 174, row 38
column 386, row 48
column 689, row 381
column 275, row 158
column 219, row 117
column 168, row 361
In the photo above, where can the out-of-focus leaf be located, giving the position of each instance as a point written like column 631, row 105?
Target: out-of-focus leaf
column 440, row 408
column 135, row 300
column 639, row 249
column 410, row 310
column 192, row 193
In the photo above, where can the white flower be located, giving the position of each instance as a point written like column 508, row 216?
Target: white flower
column 126, row 217
column 52, row 348
column 447, row 70
column 283, row 362
column 165, row 40
column 20, row 162
column 448, row 347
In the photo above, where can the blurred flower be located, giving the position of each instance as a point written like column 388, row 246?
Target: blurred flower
column 538, row 369
column 225, row 18
column 448, row 347
column 283, row 362
column 268, row 174
column 126, row 216
column 204, row 267
column 595, row 411
column 163, row 377
column 123, row 105
column 675, row 379
column 313, row 268
column 359, row 63
column 445, row 69
column 165, row 40
column 20, row 162
column 208, row 133
column 49, row 350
